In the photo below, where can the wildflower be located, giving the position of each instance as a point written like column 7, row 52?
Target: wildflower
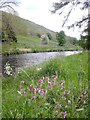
column 64, row 98
column 39, row 90
column 50, row 84
column 59, row 106
column 64, row 114
column 42, row 92
column 68, row 92
column 8, row 69
column 34, row 90
column 50, row 88
column 69, row 102
column 62, row 87
column 45, row 91
column 54, row 82
column 31, row 85
column 84, row 102
column 40, row 85
column 41, row 81
column 47, row 79
column 55, row 77
column 34, row 97
column 62, row 82
column 57, row 111
column 43, row 78
column 38, row 69
column 28, row 89
column 66, row 106
column 24, row 93
column 22, row 82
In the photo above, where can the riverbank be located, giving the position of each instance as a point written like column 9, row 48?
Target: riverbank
column 54, row 89
column 33, row 45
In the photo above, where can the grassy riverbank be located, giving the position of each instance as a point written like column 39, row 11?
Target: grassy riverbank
column 33, row 44
column 56, row 89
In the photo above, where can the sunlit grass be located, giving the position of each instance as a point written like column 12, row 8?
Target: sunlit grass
column 34, row 44
column 58, row 77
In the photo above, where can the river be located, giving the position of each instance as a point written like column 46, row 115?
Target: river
column 31, row 59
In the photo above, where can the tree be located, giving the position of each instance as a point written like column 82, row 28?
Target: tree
column 72, row 5
column 38, row 35
column 49, row 36
column 8, row 5
column 75, row 41
column 83, row 42
column 61, row 38
column 7, row 29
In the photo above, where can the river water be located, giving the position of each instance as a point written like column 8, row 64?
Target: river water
column 31, row 59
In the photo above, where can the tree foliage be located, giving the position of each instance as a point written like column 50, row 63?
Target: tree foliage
column 8, row 5
column 38, row 35
column 49, row 36
column 61, row 38
column 83, row 42
column 72, row 5
column 7, row 28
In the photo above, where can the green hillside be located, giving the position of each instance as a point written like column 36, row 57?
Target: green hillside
column 34, row 29
column 27, row 39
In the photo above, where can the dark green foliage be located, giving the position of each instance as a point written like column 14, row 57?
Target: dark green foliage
column 83, row 21
column 8, row 33
column 3, row 35
column 75, row 41
column 61, row 38
column 49, row 36
column 83, row 42
column 38, row 35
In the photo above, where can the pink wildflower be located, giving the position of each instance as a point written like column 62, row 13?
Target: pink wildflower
column 22, row 82
column 50, row 84
column 47, row 79
column 34, row 90
column 34, row 97
column 24, row 93
column 62, row 82
column 41, row 81
column 39, row 90
column 54, row 82
column 55, row 77
column 29, row 89
column 62, row 87
column 31, row 85
column 42, row 92
column 50, row 88
column 41, row 85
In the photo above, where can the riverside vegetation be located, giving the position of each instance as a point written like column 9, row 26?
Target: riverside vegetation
column 33, row 44
column 55, row 89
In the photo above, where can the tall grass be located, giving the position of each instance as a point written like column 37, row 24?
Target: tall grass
column 58, row 89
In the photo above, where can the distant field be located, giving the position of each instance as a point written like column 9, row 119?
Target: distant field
column 33, row 44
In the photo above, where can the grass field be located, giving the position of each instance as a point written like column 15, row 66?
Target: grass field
column 33, row 44
column 56, row 89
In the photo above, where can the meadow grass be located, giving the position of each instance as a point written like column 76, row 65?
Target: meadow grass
column 55, row 89
column 34, row 44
